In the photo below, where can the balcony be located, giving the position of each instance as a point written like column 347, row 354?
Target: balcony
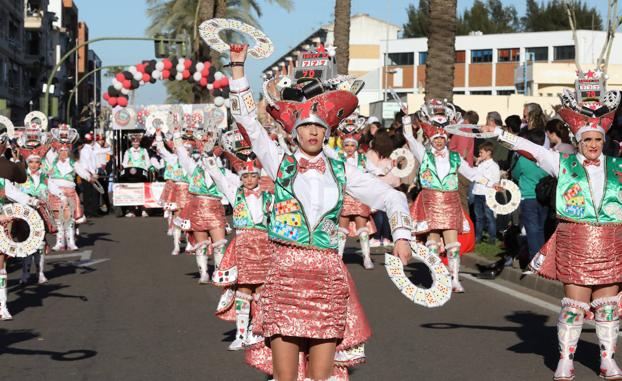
column 33, row 20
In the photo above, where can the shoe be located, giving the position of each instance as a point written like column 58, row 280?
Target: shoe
column 509, row 261
column 387, row 243
column 175, row 252
column 42, row 279
column 236, row 345
column 81, row 220
column 374, row 243
column 144, row 214
column 367, row 263
column 204, row 279
column 4, row 313
column 130, row 215
column 564, row 371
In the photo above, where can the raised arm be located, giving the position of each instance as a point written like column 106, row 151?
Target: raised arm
column 224, row 184
column 185, row 160
column 164, row 153
column 414, row 145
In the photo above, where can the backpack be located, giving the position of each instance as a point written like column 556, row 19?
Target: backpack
column 546, row 191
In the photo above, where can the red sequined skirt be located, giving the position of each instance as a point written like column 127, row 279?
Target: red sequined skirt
column 250, row 251
column 436, row 210
column 181, row 196
column 202, row 213
column 71, row 194
column 582, row 254
column 167, row 196
column 353, row 207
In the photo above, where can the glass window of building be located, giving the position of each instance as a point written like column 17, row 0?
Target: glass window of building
column 480, row 56
column 508, row 55
column 423, row 58
column 460, row 56
column 540, row 53
column 401, row 59
column 562, row 53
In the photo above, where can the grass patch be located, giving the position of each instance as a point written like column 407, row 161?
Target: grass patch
column 488, row 251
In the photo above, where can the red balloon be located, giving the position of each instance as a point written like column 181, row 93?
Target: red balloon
column 186, row 74
column 217, row 85
column 205, row 72
column 120, row 77
column 224, row 81
column 127, row 83
column 166, row 74
column 203, row 82
column 187, row 63
column 146, row 77
column 106, row 96
column 112, row 101
column 140, row 68
column 122, row 101
column 167, row 64
column 207, row 64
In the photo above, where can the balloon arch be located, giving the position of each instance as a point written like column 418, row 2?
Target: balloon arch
column 176, row 69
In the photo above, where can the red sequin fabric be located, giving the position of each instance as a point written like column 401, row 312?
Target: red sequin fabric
column 353, row 207
column 181, row 196
column 168, row 193
column 584, row 254
column 436, row 210
column 204, row 213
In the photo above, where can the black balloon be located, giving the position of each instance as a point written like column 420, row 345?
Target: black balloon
column 217, row 93
column 113, row 92
column 128, row 75
column 152, row 80
column 173, row 73
column 225, row 92
column 135, row 84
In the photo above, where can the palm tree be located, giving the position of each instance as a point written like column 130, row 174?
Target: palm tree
column 180, row 19
column 439, row 70
column 341, row 31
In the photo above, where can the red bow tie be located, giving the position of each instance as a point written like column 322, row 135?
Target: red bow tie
column 304, row 165
column 256, row 193
column 439, row 153
column 351, row 156
column 587, row 163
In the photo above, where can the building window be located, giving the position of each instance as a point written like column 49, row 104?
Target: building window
column 460, row 56
column 480, row 56
column 401, row 59
column 423, row 58
column 481, row 92
column 508, row 55
column 563, row 53
column 505, row 92
column 539, row 54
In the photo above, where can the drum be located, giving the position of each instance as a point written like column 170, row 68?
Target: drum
column 134, row 175
column 48, row 218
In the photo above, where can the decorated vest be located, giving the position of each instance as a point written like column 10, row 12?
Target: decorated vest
column 199, row 187
column 56, row 174
column 140, row 162
column 288, row 222
column 242, row 218
column 574, row 199
column 29, row 187
column 360, row 162
column 175, row 172
column 428, row 176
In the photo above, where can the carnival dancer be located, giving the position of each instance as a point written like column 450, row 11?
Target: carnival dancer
column 62, row 170
column 175, row 195
column 137, row 157
column 309, row 303
column 247, row 258
column 585, row 252
column 353, row 210
column 32, row 150
column 203, row 215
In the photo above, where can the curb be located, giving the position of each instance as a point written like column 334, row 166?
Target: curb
column 513, row 275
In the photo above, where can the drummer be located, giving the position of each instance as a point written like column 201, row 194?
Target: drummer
column 136, row 157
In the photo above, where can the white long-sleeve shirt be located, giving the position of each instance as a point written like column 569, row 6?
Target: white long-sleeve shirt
column 64, row 167
column 489, row 170
column 101, row 155
column 14, row 194
column 88, row 158
column 548, row 160
column 52, row 186
column 138, row 154
column 318, row 192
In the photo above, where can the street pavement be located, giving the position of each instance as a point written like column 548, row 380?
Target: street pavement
column 134, row 312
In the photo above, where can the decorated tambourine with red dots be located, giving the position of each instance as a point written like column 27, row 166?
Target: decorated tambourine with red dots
column 210, row 31
column 435, row 296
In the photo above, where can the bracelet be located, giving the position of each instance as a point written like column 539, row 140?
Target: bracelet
column 234, row 64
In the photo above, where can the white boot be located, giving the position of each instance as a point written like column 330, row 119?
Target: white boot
column 70, row 234
column 432, row 247
column 201, row 258
column 363, row 234
column 242, row 316
column 453, row 260
column 569, row 326
column 342, row 236
column 176, row 239
column 60, row 238
column 219, row 251
column 607, row 321
column 41, row 266
column 4, row 311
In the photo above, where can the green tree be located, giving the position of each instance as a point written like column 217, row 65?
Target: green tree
column 488, row 17
column 177, row 19
column 552, row 16
column 418, row 20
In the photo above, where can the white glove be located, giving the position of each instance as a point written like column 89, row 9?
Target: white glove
column 408, row 125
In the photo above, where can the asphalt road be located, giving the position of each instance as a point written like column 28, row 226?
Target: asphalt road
column 138, row 314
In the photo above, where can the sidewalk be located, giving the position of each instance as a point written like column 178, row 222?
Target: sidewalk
column 534, row 282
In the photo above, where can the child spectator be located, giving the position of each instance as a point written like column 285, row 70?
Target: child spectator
column 484, row 216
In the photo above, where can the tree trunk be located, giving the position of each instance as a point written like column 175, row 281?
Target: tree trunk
column 342, row 35
column 439, row 70
column 207, row 11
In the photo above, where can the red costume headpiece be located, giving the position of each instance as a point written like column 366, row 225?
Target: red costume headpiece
column 350, row 129
column 63, row 137
column 435, row 115
column 32, row 143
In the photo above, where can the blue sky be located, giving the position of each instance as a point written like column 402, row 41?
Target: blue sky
column 127, row 18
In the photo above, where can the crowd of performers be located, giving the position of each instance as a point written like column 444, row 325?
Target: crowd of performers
column 46, row 183
column 284, row 283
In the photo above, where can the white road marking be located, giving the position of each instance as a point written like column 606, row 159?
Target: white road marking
column 89, row 262
column 84, row 255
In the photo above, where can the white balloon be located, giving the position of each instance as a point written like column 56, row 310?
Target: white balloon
column 218, row 76
column 141, row 82
column 199, row 66
column 160, row 66
column 138, row 76
column 219, row 101
column 156, row 74
column 132, row 69
column 125, row 91
column 196, row 76
column 180, row 67
column 210, row 86
column 118, row 85
column 181, row 61
column 179, row 76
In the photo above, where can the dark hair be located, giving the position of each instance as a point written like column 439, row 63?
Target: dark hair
column 535, row 136
column 559, row 128
column 487, row 146
column 536, row 120
column 471, row 117
column 513, row 122
column 382, row 144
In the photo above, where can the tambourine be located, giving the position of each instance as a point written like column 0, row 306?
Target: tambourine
column 397, row 155
column 36, row 233
column 458, row 129
column 38, row 118
column 210, row 33
column 157, row 120
column 435, row 296
column 10, row 128
column 512, row 205
column 125, row 118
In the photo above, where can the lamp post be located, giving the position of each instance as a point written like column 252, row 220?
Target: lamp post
column 46, row 97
